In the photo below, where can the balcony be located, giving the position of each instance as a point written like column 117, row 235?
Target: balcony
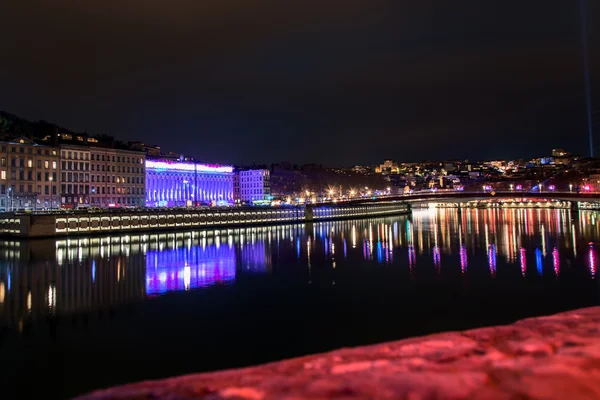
column 17, row 194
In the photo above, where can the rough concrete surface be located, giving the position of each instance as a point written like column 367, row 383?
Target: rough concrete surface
column 554, row 357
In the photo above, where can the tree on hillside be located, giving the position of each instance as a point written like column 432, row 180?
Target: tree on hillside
column 3, row 124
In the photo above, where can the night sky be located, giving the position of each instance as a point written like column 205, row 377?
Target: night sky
column 333, row 82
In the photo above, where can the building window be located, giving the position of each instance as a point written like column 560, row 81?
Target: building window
column 29, row 163
column 53, row 164
column 46, row 164
column 2, row 174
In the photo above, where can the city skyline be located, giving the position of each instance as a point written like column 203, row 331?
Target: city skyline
column 152, row 149
column 269, row 81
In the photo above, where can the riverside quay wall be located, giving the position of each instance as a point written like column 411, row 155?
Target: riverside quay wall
column 21, row 225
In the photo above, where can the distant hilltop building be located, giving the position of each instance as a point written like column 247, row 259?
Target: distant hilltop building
column 388, row 167
column 559, row 153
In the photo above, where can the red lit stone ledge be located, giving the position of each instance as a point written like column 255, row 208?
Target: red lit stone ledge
column 554, row 357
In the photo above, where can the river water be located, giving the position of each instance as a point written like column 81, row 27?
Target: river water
column 86, row 313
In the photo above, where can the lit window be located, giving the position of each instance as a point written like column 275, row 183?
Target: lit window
column 29, row 163
column 3, row 175
column 46, row 164
column 53, row 164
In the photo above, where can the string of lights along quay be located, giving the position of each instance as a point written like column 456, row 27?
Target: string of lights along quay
column 51, row 225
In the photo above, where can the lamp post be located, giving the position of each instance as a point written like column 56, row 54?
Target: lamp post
column 51, row 196
column 10, row 197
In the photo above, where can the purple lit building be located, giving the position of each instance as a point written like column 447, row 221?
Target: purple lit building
column 175, row 183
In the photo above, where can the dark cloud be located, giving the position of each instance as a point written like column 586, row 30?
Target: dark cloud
column 337, row 82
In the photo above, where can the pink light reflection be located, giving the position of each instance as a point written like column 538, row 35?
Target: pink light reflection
column 463, row 259
column 592, row 260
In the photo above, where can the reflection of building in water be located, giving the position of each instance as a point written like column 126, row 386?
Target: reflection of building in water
column 172, row 269
column 41, row 288
column 255, row 257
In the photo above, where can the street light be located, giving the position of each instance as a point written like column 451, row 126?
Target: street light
column 51, row 196
column 10, row 196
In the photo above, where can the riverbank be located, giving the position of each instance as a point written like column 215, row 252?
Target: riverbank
column 32, row 226
column 552, row 357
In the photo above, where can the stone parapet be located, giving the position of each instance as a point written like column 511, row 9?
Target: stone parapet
column 553, row 357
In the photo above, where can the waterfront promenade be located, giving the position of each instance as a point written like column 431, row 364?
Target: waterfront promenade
column 30, row 226
column 552, row 357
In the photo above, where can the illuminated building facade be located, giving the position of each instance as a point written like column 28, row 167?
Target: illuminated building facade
column 74, row 175
column 254, row 185
column 28, row 175
column 117, row 177
column 176, row 183
column 388, row 167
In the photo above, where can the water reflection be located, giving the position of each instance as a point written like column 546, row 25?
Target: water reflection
column 70, row 276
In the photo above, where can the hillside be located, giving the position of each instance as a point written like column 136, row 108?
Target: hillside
column 15, row 125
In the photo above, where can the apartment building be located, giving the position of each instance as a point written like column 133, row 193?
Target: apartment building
column 254, row 185
column 28, row 175
column 117, row 177
column 74, row 176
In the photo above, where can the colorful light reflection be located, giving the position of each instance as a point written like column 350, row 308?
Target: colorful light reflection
column 592, row 261
column 556, row 261
column 492, row 259
column 183, row 269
